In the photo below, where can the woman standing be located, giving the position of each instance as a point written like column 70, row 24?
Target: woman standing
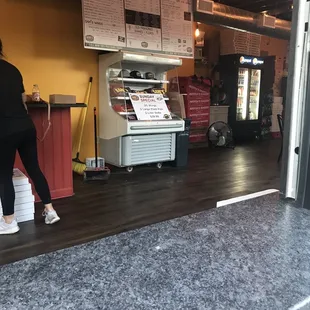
column 17, row 133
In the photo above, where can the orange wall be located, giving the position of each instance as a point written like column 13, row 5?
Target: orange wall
column 188, row 67
column 43, row 38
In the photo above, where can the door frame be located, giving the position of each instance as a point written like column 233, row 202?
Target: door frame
column 294, row 176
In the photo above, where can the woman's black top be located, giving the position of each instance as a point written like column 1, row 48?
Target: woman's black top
column 13, row 115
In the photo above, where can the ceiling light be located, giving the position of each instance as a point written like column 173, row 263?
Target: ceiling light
column 197, row 31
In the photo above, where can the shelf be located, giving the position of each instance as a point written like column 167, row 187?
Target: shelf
column 56, row 105
column 141, row 81
column 127, row 98
column 126, row 113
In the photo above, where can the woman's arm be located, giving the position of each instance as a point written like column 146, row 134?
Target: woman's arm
column 24, row 97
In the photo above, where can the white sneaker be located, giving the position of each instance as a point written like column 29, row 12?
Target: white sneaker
column 8, row 229
column 51, row 217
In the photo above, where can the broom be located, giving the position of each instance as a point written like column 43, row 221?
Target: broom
column 97, row 173
column 77, row 165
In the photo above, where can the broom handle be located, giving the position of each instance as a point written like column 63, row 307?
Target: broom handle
column 95, row 131
column 85, row 113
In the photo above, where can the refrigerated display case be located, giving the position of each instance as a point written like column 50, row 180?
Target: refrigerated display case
column 130, row 132
column 243, row 79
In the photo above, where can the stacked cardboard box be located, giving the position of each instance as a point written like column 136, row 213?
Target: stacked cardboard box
column 237, row 42
column 197, row 99
column 24, row 199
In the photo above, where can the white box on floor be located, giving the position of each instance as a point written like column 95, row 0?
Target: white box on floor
column 25, row 218
column 23, row 212
column 23, row 194
column 22, row 200
column 22, row 188
column 91, row 162
column 26, row 206
column 19, row 178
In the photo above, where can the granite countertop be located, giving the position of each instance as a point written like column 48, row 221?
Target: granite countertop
column 55, row 105
column 251, row 255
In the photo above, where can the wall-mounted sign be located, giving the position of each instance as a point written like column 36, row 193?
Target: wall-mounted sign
column 150, row 107
column 159, row 26
column 251, row 61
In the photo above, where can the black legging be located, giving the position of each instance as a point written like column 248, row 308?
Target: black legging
column 25, row 143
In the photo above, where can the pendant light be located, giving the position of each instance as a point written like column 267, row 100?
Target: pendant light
column 197, row 31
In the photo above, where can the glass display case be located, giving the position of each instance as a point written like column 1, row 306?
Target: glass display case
column 242, row 100
column 254, row 94
column 134, row 107
column 248, row 101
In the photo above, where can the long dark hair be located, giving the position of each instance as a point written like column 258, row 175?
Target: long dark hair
column 1, row 49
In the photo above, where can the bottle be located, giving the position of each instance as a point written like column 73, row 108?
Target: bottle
column 35, row 93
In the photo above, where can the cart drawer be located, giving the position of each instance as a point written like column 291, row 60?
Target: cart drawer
column 146, row 149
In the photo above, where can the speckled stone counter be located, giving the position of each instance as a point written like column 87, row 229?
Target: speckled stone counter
column 253, row 255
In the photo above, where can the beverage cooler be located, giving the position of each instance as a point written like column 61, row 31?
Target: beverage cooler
column 137, row 125
column 243, row 83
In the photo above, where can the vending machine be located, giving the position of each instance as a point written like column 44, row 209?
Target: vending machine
column 246, row 80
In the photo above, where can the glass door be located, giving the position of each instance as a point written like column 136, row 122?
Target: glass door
column 255, row 82
column 243, row 91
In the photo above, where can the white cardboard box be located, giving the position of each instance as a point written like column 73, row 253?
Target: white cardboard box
column 22, row 188
column 91, row 162
column 25, row 210
column 23, row 194
column 19, row 178
column 25, row 218
column 22, row 201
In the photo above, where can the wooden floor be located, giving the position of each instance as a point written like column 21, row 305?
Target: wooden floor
column 147, row 196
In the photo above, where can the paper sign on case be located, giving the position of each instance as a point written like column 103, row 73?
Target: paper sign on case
column 150, row 107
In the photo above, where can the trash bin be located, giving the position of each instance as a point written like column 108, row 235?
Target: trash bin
column 182, row 144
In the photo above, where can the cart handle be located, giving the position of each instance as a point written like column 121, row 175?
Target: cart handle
column 156, row 127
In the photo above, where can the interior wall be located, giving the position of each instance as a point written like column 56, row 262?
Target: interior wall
column 269, row 46
column 44, row 39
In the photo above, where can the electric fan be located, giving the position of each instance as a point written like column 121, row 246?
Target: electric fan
column 220, row 135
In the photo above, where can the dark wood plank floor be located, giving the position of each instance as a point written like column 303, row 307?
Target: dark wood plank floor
column 147, row 196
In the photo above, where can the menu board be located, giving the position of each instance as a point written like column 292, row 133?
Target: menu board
column 143, row 29
column 103, row 24
column 160, row 26
column 177, row 27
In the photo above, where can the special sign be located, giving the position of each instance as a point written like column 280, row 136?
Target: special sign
column 150, row 107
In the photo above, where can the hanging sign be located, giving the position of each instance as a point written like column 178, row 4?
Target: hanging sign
column 159, row 26
column 177, row 27
column 150, row 107
column 103, row 24
column 143, row 27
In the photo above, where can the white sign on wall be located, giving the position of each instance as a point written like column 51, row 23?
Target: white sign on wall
column 162, row 26
column 143, row 27
column 150, row 107
column 104, row 24
column 177, row 26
